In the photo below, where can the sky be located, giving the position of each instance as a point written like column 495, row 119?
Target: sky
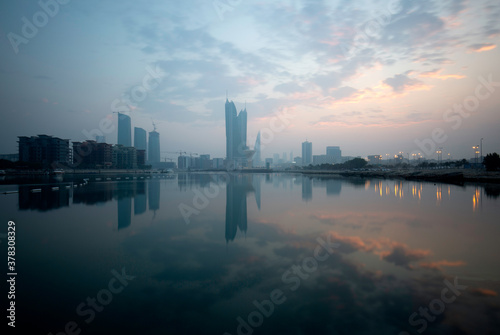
column 373, row 77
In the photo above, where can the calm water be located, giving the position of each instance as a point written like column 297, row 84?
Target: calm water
column 261, row 254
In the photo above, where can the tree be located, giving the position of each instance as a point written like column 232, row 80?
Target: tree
column 492, row 162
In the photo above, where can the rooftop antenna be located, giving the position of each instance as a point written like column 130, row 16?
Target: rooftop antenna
column 154, row 125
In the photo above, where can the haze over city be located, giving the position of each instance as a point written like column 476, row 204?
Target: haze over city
column 371, row 77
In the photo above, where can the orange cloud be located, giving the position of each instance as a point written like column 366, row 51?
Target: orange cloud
column 436, row 75
column 480, row 47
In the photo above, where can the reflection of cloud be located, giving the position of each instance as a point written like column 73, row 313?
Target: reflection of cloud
column 482, row 292
column 439, row 264
column 402, row 255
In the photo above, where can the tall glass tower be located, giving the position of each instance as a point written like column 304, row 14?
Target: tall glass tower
column 236, row 134
column 124, row 130
column 154, row 147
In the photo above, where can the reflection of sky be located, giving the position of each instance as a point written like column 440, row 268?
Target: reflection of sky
column 394, row 252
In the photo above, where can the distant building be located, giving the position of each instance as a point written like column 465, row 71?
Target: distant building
column 100, row 139
column 141, row 158
column 184, row 162
column 205, row 162
column 154, row 147
column 45, row 150
column 124, row 157
column 257, row 160
column 140, row 141
column 306, row 153
column 375, row 159
column 218, row 163
column 335, row 153
column 90, row 154
column 10, row 157
column 124, row 130
column 236, row 135
column 323, row 159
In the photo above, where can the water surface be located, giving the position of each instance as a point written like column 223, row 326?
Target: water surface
column 262, row 254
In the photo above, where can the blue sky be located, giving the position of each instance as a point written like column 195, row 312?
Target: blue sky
column 373, row 77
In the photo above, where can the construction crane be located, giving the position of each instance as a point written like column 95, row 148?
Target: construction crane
column 154, row 124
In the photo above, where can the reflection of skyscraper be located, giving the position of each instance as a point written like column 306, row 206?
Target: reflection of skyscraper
column 140, row 197
column 236, row 134
column 124, row 212
column 140, row 139
column 124, row 130
column 236, row 203
column 306, row 153
column 42, row 201
column 333, row 187
column 154, row 147
column 257, row 158
column 306, row 188
column 154, row 194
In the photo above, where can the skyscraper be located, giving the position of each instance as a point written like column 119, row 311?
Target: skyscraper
column 140, row 139
column 154, row 147
column 306, row 153
column 335, row 153
column 257, row 158
column 236, row 134
column 124, row 130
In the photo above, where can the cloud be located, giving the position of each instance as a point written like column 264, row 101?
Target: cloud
column 401, row 83
column 436, row 74
column 480, row 47
column 289, row 88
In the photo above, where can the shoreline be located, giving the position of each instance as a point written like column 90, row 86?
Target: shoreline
column 452, row 176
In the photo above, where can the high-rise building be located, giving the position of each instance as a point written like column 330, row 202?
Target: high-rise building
column 335, row 153
column 124, row 130
column 45, row 150
column 154, row 147
column 236, row 134
column 140, row 139
column 124, row 157
column 91, row 154
column 306, row 153
column 257, row 159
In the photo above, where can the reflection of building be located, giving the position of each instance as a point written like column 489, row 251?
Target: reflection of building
column 124, row 212
column 333, row 187
column 154, row 194
column 306, row 153
column 124, row 130
column 45, row 200
column 236, row 135
column 306, row 188
column 154, row 147
column 237, row 189
column 44, row 149
column 140, row 197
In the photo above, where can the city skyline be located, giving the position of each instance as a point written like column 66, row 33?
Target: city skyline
column 393, row 73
